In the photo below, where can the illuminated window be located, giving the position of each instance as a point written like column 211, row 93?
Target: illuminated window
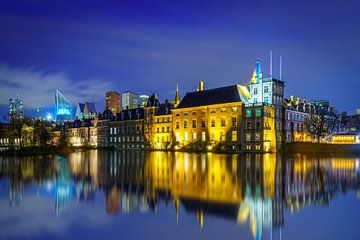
column 203, row 136
column 257, row 136
column 248, row 147
column 234, row 109
column 223, row 122
column 234, row 136
column 248, row 137
column 257, row 147
column 111, row 131
column 185, row 124
column 222, row 136
column 212, row 122
column 177, row 137
column 186, row 137
column 234, row 121
column 223, row 110
column 194, row 123
column 212, row 111
column 212, row 136
column 194, row 137
column 258, row 112
column 248, row 112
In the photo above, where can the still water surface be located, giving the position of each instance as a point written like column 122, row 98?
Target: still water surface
column 158, row 195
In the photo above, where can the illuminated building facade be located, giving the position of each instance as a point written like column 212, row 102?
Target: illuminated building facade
column 112, row 102
column 63, row 109
column 143, row 100
column 85, row 110
column 16, row 110
column 126, row 132
column 270, row 92
column 210, row 116
column 129, row 100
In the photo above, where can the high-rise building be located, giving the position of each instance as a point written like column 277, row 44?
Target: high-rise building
column 16, row 110
column 113, row 102
column 63, row 109
column 143, row 100
column 129, row 100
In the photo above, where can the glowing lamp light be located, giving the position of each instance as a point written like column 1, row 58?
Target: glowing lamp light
column 49, row 117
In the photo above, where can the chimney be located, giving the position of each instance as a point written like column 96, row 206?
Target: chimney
column 201, row 85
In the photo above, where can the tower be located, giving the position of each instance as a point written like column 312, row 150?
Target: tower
column 270, row 92
column 177, row 96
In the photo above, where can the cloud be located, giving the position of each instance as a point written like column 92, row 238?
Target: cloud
column 37, row 87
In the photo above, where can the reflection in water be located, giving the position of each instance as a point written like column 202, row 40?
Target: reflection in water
column 248, row 189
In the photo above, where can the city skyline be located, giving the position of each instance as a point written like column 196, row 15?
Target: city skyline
column 150, row 47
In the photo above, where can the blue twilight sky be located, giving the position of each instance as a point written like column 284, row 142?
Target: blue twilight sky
column 85, row 48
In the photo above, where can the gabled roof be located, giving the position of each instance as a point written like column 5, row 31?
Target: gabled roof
column 90, row 107
column 81, row 106
column 228, row 94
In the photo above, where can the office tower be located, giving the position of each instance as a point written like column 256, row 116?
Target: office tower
column 63, row 109
column 113, row 102
column 16, row 110
column 129, row 100
column 143, row 100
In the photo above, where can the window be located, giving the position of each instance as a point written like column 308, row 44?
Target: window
column 266, row 89
column 248, row 137
column 194, row 137
column 248, row 125
column 234, row 136
column 257, row 136
column 257, row 147
column 223, row 110
column 258, row 112
column 203, row 123
column 111, row 130
column 177, row 137
column 114, row 130
column 248, row 147
column 185, row 124
column 257, row 126
column 194, row 123
column 234, row 109
column 186, row 137
column 157, row 130
column 177, row 125
column 255, row 91
column 212, row 122
column 255, row 100
column 233, row 121
column 168, row 129
column 177, row 115
column 186, row 114
column 212, row 111
column 203, row 136
column 163, row 129
column 222, row 136
column 194, row 113
column 223, row 122
column 266, row 99
column 248, row 112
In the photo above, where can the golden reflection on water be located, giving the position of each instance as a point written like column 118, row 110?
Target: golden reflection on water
column 248, row 189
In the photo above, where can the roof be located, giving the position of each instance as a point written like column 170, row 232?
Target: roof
column 130, row 114
column 153, row 101
column 228, row 94
column 91, row 107
column 82, row 106
column 164, row 109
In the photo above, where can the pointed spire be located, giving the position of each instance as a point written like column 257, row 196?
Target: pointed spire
column 257, row 74
column 177, row 95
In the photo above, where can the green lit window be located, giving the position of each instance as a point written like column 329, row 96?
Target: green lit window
column 258, row 112
column 248, row 112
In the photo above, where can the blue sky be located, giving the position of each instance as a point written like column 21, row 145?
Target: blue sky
column 85, row 48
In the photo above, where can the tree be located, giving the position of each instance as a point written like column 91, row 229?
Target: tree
column 322, row 123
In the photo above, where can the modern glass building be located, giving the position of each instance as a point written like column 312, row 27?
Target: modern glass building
column 63, row 109
column 143, row 100
column 129, row 100
column 16, row 110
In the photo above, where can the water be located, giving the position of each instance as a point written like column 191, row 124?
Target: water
column 158, row 195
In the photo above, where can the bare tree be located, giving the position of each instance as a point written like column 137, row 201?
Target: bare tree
column 322, row 123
